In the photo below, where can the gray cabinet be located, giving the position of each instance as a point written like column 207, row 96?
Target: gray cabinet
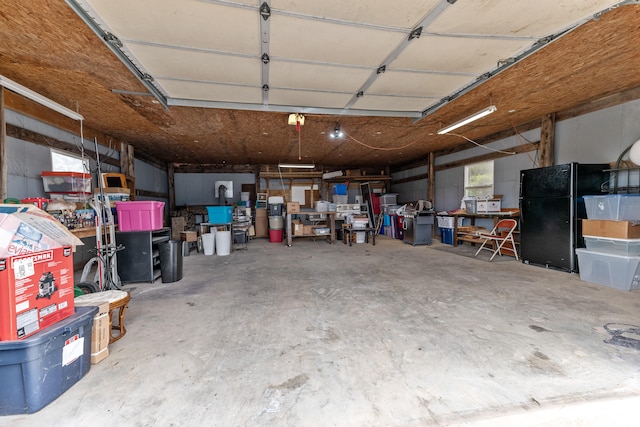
column 139, row 261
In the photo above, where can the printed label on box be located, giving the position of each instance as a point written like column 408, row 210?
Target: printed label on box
column 72, row 350
column 23, row 268
column 27, row 322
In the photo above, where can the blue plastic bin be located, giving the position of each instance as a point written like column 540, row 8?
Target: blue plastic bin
column 220, row 214
column 38, row 369
column 446, row 236
column 339, row 189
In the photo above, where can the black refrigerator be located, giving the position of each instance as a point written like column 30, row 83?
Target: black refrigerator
column 552, row 209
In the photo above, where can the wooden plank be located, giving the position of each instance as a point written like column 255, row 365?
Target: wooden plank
column 172, row 188
column 524, row 148
column 127, row 161
column 37, row 138
column 4, row 167
column 156, row 194
column 547, row 129
column 431, row 191
column 211, row 168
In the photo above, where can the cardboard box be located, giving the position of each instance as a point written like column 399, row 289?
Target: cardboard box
column 188, row 236
column 100, row 332
column 26, row 229
column 178, row 223
column 610, row 228
column 307, row 230
column 261, row 213
column 297, row 229
column 36, row 291
column 262, row 225
column 293, row 207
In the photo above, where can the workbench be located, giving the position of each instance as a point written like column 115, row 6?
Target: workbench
column 330, row 216
column 495, row 216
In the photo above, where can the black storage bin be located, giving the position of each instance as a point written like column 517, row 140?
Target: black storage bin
column 171, row 260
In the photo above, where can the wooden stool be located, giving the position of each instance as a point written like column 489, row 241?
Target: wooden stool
column 117, row 300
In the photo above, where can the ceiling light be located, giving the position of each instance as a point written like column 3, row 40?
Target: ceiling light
column 34, row 96
column 296, row 165
column 480, row 114
column 337, row 133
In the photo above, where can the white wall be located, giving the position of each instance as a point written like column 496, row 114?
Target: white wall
column 27, row 160
column 198, row 188
column 412, row 190
column 597, row 137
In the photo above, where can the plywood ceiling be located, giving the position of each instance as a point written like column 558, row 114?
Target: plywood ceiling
column 214, row 81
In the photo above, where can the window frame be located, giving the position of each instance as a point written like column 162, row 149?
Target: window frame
column 55, row 167
column 468, row 187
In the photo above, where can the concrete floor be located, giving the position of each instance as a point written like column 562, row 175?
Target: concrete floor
column 384, row 335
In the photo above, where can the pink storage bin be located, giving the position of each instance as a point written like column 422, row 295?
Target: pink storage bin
column 140, row 215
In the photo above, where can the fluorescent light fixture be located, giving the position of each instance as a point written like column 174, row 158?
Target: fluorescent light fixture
column 472, row 118
column 34, row 96
column 296, row 165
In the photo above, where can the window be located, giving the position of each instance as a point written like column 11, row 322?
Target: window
column 65, row 162
column 478, row 180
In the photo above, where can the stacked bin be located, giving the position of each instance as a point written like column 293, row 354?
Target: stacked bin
column 276, row 222
column 612, row 254
column 445, row 224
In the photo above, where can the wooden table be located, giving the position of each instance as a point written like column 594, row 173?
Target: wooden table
column 495, row 216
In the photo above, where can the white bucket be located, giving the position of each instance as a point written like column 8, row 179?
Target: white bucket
column 360, row 236
column 223, row 242
column 244, row 196
column 208, row 243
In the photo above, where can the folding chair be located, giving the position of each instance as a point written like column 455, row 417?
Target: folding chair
column 500, row 239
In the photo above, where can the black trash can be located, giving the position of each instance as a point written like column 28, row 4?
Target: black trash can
column 171, row 260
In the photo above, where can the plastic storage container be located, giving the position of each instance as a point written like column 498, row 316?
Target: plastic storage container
column 140, row 215
column 616, row 207
column 340, row 189
column 276, row 223
column 447, row 221
column 38, row 369
column 66, row 182
column 612, row 270
column 388, row 199
column 220, row 214
column 446, row 236
column 626, row 247
column 275, row 236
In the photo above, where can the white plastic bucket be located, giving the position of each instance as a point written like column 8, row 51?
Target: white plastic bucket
column 208, row 243
column 360, row 236
column 223, row 242
column 244, row 196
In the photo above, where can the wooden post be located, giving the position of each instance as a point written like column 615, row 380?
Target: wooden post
column 547, row 140
column 431, row 185
column 172, row 188
column 4, row 164
column 127, row 167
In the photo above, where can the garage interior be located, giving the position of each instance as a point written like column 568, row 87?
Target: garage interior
column 177, row 96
